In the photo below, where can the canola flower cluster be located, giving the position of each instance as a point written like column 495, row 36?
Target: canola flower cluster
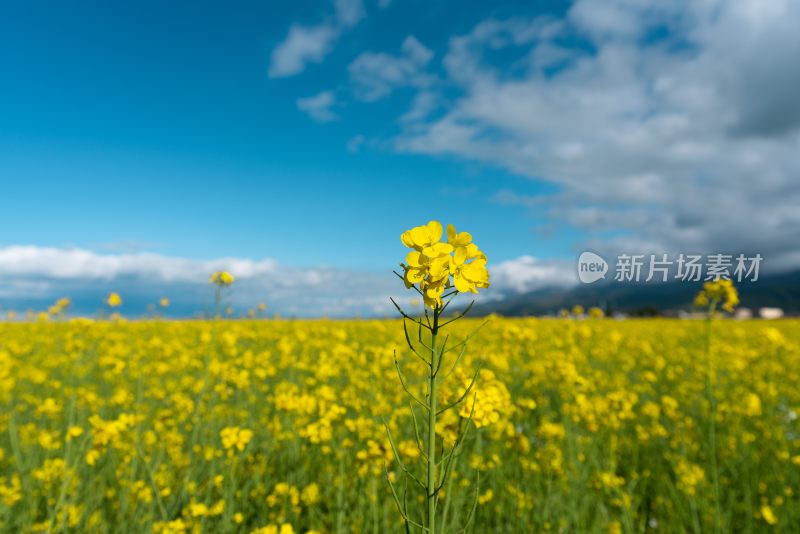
column 222, row 278
column 435, row 266
column 113, row 300
column 579, row 425
column 718, row 292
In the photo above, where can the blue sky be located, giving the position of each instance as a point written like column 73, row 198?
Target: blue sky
column 156, row 127
column 298, row 139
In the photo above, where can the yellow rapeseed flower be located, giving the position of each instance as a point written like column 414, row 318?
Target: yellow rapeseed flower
column 60, row 306
column 596, row 313
column 114, row 300
column 222, row 278
column 768, row 515
column 233, row 436
column 720, row 292
column 434, row 265
column 285, row 528
column 198, row 509
column 310, row 494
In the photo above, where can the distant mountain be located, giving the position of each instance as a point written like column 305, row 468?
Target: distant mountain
column 781, row 291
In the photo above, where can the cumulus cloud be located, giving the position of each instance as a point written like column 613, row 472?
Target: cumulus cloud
column 75, row 263
column 376, row 75
column 310, row 44
column 676, row 127
column 33, row 277
column 349, row 12
column 318, row 107
column 303, row 45
column 527, row 273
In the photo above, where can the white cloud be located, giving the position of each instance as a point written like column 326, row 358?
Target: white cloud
column 376, row 75
column 527, row 273
column 302, row 45
column 424, row 103
column 310, row 44
column 680, row 140
column 81, row 264
column 349, row 12
column 34, row 277
column 318, row 107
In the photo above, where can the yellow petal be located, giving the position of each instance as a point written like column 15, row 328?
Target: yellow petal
column 416, row 276
column 451, row 233
column 435, row 229
column 414, row 259
column 420, row 236
column 440, row 267
column 405, row 237
column 434, row 291
column 474, row 252
column 458, row 239
column 444, row 248
column 462, row 284
column 476, row 271
column 432, row 302
column 437, row 249
column 460, row 255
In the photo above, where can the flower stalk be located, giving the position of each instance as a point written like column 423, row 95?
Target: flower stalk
column 438, row 272
column 432, row 424
column 222, row 280
column 714, row 295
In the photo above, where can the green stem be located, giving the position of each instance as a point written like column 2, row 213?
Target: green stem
column 448, row 498
column 373, row 504
column 431, row 486
column 712, row 431
column 340, row 497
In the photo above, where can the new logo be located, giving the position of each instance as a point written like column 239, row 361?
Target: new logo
column 591, row 267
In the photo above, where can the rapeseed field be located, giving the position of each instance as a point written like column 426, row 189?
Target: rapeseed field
column 576, row 425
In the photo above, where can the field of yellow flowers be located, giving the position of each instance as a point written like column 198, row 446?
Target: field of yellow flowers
column 277, row 426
